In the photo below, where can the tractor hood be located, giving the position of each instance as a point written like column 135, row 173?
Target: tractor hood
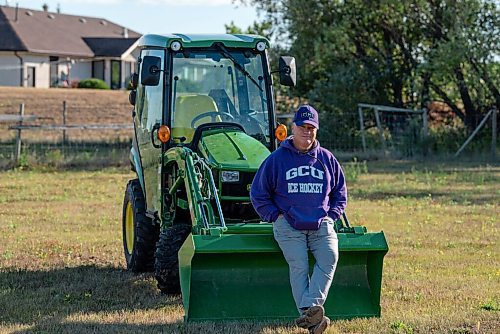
column 232, row 149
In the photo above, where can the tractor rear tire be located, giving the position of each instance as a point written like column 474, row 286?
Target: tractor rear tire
column 166, row 258
column 139, row 232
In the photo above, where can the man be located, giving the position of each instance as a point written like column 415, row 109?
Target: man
column 300, row 187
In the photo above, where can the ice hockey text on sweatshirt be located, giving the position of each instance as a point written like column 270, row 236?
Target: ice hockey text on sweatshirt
column 304, row 187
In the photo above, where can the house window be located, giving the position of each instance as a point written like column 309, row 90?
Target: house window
column 116, row 74
column 98, row 69
column 54, row 74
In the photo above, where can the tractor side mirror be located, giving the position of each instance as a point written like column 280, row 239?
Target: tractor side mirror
column 150, row 71
column 134, row 80
column 288, row 71
column 132, row 96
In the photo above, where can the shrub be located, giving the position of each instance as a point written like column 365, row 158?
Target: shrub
column 93, row 83
column 353, row 169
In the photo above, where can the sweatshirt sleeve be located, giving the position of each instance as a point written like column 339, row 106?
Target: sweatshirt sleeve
column 262, row 191
column 338, row 195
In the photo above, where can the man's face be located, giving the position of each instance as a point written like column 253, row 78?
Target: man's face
column 304, row 136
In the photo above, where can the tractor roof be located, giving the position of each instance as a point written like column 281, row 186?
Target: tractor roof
column 202, row 40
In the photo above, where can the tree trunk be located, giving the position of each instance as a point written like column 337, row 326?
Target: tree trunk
column 489, row 83
column 425, row 93
column 471, row 113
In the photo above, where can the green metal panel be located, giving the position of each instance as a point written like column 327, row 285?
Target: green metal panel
column 233, row 150
column 134, row 158
column 244, row 276
column 201, row 40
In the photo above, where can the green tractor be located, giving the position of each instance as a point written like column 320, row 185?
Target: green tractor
column 204, row 120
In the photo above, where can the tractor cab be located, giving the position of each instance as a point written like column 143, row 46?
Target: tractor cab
column 223, row 81
column 219, row 85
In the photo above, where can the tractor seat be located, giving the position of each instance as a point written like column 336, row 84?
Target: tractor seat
column 187, row 107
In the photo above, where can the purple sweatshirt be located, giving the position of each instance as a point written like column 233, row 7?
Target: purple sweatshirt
column 304, row 187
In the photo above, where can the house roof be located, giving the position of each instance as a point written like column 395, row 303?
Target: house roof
column 109, row 47
column 61, row 34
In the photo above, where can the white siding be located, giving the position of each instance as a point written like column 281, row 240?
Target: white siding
column 10, row 68
column 42, row 70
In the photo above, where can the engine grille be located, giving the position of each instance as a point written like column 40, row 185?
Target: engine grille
column 240, row 188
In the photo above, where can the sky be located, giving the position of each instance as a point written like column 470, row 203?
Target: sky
column 155, row 16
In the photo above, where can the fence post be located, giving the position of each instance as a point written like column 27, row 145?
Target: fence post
column 474, row 133
column 425, row 123
column 380, row 131
column 362, row 128
column 494, row 134
column 425, row 131
column 64, row 121
column 17, row 151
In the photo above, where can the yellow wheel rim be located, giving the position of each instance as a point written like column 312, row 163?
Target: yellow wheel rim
column 129, row 228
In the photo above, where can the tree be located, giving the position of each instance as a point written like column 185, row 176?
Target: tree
column 267, row 29
column 264, row 28
column 402, row 53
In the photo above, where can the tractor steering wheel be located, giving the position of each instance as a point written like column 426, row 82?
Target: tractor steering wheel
column 212, row 114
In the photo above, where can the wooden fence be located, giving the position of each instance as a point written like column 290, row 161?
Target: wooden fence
column 20, row 125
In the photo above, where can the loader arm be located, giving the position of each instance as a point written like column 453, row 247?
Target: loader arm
column 196, row 176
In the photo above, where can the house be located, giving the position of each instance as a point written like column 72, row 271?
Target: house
column 46, row 49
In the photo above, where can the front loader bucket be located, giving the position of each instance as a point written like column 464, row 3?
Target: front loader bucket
column 245, row 276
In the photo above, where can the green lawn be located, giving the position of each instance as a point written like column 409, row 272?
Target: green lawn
column 62, row 264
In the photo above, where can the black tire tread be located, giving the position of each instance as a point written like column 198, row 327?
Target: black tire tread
column 145, row 232
column 166, row 257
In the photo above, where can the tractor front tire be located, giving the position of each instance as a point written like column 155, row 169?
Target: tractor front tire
column 139, row 232
column 166, row 258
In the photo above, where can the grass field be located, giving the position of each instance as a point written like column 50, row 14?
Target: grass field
column 62, row 267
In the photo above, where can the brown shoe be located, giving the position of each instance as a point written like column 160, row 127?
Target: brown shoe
column 311, row 317
column 321, row 327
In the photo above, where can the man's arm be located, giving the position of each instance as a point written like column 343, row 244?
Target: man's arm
column 338, row 195
column 262, row 190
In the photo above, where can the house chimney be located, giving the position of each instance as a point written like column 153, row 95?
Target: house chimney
column 58, row 8
column 45, row 7
column 16, row 12
column 125, row 32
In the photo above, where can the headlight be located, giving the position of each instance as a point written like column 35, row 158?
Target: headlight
column 175, row 46
column 261, row 46
column 230, row 176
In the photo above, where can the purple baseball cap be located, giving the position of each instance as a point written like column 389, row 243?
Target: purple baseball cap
column 306, row 115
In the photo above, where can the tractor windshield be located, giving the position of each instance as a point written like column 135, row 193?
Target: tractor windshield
column 213, row 86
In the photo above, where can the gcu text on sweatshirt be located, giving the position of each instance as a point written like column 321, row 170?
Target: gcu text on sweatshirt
column 304, row 187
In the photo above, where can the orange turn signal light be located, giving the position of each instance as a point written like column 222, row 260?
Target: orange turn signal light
column 164, row 134
column 280, row 133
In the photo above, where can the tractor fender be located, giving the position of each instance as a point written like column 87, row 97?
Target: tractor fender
column 135, row 161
